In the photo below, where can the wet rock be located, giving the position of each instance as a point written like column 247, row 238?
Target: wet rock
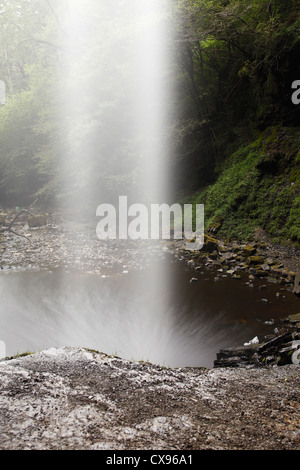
column 293, row 318
column 210, row 244
column 261, row 273
column 276, row 350
column 231, row 271
column 262, row 245
column 256, row 260
column 236, row 357
column 275, row 342
column 77, row 399
column 249, row 250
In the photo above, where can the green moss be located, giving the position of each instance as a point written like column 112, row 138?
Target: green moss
column 258, row 186
column 25, row 354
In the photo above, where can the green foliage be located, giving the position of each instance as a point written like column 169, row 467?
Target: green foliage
column 259, row 187
column 239, row 59
column 66, row 130
column 26, row 155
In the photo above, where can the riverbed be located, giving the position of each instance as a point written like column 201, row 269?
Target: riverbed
column 140, row 301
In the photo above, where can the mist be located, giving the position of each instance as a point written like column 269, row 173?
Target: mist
column 104, row 100
column 114, row 88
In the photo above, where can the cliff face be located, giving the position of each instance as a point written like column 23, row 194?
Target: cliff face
column 79, row 399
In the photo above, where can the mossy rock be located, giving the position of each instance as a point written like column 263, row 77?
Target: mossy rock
column 215, row 226
column 261, row 273
column 257, row 260
column 249, row 250
column 210, row 244
column 294, row 318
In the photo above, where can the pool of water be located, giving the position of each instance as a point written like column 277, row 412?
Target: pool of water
column 154, row 315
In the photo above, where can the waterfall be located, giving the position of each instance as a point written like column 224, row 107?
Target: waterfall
column 114, row 87
column 115, row 95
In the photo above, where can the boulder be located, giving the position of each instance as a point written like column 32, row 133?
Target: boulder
column 276, row 350
column 261, row 273
column 249, row 250
column 256, row 260
column 235, row 357
column 79, row 399
column 294, row 318
column 210, row 244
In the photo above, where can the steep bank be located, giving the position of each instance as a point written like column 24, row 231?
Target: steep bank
column 257, row 191
column 79, row 399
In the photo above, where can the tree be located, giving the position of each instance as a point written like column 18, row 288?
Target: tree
column 238, row 58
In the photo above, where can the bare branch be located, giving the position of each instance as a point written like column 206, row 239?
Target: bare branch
column 19, row 235
column 9, row 228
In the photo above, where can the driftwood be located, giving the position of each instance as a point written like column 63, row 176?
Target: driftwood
column 9, row 228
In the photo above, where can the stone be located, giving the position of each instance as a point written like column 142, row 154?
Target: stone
column 262, row 245
column 276, row 342
column 210, row 244
column 76, row 399
column 261, row 273
column 294, row 318
column 275, row 349
column 256, row 260
column 249, row 250
column 231, row 271
column 245, row 352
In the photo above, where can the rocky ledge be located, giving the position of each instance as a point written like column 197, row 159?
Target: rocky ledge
column 79, row 399
column 281, row 348
column 260, row 260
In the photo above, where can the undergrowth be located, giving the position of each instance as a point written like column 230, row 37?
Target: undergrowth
column 258, row 187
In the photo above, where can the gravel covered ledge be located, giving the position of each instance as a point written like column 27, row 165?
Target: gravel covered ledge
column 79, row 399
